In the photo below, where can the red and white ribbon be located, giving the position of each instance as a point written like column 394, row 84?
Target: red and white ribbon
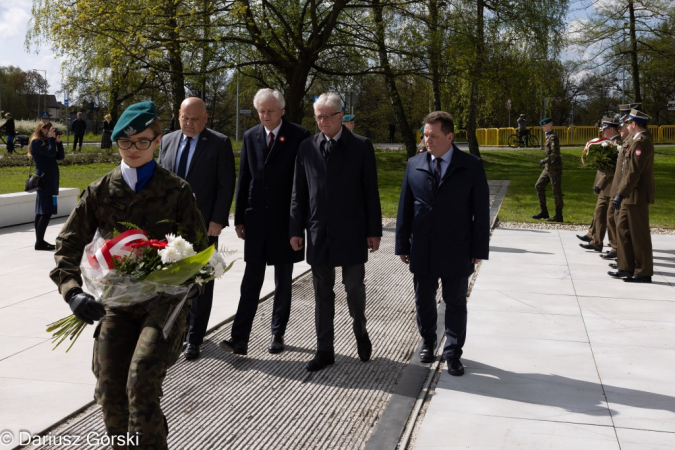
column 118, row 246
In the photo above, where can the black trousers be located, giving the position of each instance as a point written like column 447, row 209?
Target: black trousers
column 200, row 311
column 251, row 284
column 324, row 297
column 454, row 296
column 75, row 140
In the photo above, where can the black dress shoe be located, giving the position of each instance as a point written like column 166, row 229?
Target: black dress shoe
column 455, row 368
column 608, row 255
column 541, row 215
column 276, row 345
column 555, row 218
column 364, row 347
column 638, row 279
column 590, row 247
column 613, row 265
column 192, row 352
column 427, row 354
column 584, row 238
column 321, row 359
column 234, row 346
column 45, row 246
column 620, row 274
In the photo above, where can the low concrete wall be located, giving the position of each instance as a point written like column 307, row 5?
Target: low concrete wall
column 19, row 207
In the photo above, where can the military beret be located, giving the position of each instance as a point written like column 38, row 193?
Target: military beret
column 545, row 120
column 348, row 118
column 135, row 119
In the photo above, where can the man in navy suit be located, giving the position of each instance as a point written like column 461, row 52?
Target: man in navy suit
column 203, row 158
column 442, row 231
column 261, row 216
column 335, row 198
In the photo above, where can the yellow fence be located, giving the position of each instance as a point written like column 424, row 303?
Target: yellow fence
column 499, row 137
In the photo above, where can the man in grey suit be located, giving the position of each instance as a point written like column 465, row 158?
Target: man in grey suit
column 203, row 158
column 336, row 199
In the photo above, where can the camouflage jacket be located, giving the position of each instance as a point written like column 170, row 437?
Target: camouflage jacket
column 552, row 149
column 107, row 202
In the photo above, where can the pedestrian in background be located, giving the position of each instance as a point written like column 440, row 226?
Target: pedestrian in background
column 106, row 141
column 552, row 174
column 442, row 231
column 336, row 200
column 78, row 127
column 10, row 131
column 348, row 121
column 46, row 148
column 204, row 158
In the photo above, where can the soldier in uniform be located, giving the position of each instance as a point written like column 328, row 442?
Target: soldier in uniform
column 634, row 195
column 552, row 173
column 131, row 356
column 602, row 187
column 348, row 121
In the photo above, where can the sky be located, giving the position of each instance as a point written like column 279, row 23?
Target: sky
column 15, row 16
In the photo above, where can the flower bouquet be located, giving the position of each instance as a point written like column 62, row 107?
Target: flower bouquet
column 600, row 154
column 130, row 269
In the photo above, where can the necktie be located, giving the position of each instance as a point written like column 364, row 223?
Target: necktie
column 328, row 147
column 271, row 141
column 437, row 171
column 182, row 165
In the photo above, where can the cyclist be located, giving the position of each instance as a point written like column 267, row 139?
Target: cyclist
column 522, row 130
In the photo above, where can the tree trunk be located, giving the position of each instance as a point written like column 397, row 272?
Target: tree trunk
column 296, row 79
column 475, row 74
column 175, row 62
column 390, row 82
column 435, row 54
column 634, row 54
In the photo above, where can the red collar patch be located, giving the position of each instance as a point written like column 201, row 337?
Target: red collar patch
column 638, row 152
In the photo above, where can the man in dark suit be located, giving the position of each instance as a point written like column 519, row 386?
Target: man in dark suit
column 261, row 216
column 335, row 198
column 203, row 158
column 442, row 230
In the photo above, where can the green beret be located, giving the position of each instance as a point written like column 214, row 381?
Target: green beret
column 135, row 119
column 348, row 118
column 545, row 120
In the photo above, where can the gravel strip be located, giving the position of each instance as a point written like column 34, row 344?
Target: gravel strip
column 564, row 226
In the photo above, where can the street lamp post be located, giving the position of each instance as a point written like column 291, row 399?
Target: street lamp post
column 39, row 114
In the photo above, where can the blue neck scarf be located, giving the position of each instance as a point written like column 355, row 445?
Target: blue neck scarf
column 143, row 174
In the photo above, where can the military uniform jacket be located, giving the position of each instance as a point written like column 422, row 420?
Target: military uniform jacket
column 637, row 182
column 443, row 228
column 108, row 201
column 336, row 200
column 264, row 187
column 603, row 180
column 618, row 172
column 552, row 148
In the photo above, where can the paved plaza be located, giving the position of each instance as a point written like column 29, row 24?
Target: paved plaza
column 558, row 356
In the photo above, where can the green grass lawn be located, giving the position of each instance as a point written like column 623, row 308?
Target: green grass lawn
column 519, row 166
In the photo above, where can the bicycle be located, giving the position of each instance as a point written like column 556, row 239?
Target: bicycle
column 20, row 141
column 529, row 138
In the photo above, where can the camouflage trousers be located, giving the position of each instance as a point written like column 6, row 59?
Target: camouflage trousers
column 555, row 178
column 131, row 358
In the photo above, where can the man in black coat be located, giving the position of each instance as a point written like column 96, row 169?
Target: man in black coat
column 78, row 127
column 204, row 159
column 261, row 216
column 442, row 230
column 335, row 198
column 10, row 131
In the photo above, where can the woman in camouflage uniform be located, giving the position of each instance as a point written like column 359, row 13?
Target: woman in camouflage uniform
column 131, row 356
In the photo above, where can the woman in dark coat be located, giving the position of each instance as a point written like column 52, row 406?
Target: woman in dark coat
column 46, row 148
column 106, row 142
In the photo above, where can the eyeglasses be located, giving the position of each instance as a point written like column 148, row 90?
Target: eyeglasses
column 324, row 117
column 141, row 144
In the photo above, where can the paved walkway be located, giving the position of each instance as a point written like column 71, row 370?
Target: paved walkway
column 559, row 355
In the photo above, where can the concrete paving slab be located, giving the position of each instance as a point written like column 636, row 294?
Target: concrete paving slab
column 549, row 271
column 528, row 282
column 479, row 432
column 645, row 440
column 615, row 288
column 523, row 302
column 11, row 345
column 527, row 325
column 623, row 309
